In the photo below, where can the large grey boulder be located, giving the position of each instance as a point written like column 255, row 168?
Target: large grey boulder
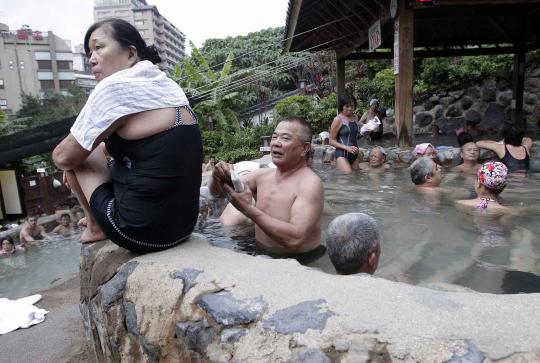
column 466, row 102
column 494, row 116
column 489, row 91
column 423, row 119
column 450, row 124
column 242, row 308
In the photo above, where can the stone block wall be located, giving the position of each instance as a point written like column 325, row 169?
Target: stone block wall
column 200, row 303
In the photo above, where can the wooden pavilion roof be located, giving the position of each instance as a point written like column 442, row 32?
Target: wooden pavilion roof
column 342, row 25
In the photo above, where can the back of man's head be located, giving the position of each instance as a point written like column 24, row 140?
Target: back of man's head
column 353, row 243
column 305, row 129
column 420, row 169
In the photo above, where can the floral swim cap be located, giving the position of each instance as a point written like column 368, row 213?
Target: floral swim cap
column 493, row 175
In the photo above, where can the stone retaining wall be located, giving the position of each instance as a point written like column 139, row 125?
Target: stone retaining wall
column 197, row 302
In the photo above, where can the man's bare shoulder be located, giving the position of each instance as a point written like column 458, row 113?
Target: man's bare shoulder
column 309, row 181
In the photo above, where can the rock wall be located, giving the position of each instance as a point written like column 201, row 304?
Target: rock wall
column 197, row 302
column 488, row 104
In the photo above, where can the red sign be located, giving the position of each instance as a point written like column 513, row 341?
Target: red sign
column 22, row 34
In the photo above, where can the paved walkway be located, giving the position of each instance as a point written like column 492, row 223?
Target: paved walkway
column 60, row 338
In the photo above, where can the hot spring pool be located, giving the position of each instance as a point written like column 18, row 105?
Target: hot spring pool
column 50, row 262
column 428, row 242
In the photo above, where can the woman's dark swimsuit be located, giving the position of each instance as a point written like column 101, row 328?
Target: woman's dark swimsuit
column 514, row 164
column 347, row 136
column 152, row 202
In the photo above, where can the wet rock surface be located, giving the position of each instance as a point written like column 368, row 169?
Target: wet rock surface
column 241, row 308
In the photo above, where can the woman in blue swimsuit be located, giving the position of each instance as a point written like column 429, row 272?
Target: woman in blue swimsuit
column 343, row 133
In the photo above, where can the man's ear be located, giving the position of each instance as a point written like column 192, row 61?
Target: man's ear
column 373, row 260
column 307, row 148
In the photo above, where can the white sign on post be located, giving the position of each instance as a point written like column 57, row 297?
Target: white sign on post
column 396, row 47
column 375, row 37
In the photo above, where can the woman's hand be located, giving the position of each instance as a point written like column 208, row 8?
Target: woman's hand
column 352, row 149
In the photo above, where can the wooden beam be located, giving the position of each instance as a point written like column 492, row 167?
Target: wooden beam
column 293, row 20
column 403, row 66
column 340, row 77
column 518, row 87
column 435, row 53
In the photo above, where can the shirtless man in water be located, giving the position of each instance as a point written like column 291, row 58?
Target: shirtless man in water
column 288, row 200
column 31, row 231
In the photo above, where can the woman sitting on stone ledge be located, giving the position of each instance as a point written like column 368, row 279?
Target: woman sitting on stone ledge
column 147, row 198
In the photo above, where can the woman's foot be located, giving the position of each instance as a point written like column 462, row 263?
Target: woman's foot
column 92, row 234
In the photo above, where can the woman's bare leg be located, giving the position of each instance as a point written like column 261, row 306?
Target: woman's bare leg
column 83, row 180
column 343, row 165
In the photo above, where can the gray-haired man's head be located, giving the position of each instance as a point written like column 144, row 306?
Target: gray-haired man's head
column 353, row 243
column 425, row 172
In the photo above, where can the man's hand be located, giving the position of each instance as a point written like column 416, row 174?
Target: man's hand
column 239, row 200
column 221, row 176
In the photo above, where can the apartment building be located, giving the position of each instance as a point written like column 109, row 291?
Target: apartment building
column 154, row 27
column 83, row 72
column 32, row 62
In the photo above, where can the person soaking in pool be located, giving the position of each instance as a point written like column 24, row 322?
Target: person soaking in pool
column 31, row 231
column 8, row 247
column 147, row 199
column 288, row 199
column 513, row 151
column 376, row 159
column 469, row 154
column 490, row 182
column 65, row 228
column 353, row 243
column 343, row 134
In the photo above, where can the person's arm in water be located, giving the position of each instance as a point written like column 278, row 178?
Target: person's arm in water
column 304, row 215
column 363, row 119
column 527, row 143
column 496, row 147
column 25, row 236
column 42, row 232
column 334, row 130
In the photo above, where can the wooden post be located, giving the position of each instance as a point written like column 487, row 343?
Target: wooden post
column 518, row 87
column 403, row 71
column 340, row 70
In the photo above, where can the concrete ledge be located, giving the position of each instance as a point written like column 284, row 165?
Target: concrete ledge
column 200, row 302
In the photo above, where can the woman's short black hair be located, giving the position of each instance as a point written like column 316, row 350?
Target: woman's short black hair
column 464, row 138
column 512, row 134
column 125, row 34
column 346, row 100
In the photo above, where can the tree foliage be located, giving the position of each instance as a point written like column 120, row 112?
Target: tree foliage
column 52, row 106
column 318, row 112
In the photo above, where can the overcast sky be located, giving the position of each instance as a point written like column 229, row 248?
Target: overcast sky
column 197, row 19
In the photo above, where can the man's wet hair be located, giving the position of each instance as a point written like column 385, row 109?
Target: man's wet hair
column 421, row 168
column 305, row 135
column 65, row 215
column 350, row 239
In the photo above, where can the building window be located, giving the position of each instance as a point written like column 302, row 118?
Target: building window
column 64, row 64
column 1, row 84
column 44, row 64
column 65, row 84
column 139, row 22
column 142, row 32
column 3, row 104
column 47, row 84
